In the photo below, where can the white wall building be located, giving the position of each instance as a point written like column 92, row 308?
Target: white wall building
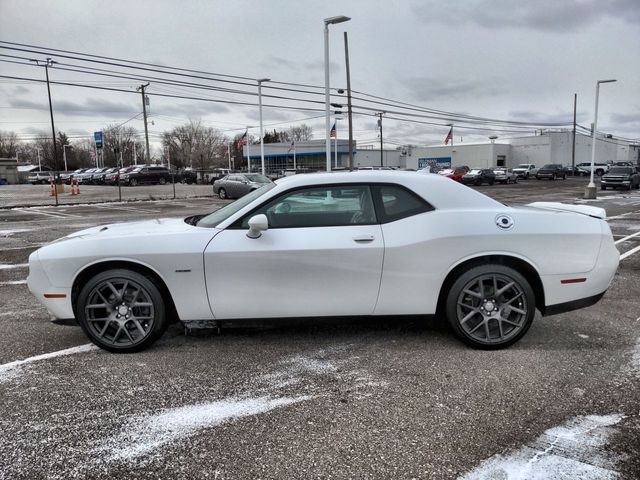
column 549, row 147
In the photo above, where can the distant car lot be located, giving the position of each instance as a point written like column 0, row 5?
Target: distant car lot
column 395, row 398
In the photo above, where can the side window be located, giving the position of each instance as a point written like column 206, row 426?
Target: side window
column 327, row 206
column 395, row 202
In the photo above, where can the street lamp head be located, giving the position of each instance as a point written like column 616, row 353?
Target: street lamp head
column 260, row 80
column 338, row 19
column 607, row 81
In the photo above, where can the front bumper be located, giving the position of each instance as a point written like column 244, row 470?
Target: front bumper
column 39, row 284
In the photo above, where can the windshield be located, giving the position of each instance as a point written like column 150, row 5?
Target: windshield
column 257, row 178
column 474, row 172
column 217, row 217
column 523, row 165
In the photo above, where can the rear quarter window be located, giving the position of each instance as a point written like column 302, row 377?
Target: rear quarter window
column 394, row 202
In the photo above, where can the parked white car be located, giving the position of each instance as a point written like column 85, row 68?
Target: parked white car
column 599, row 168
column 525, row 170
column 505, row 175
column 313, row 245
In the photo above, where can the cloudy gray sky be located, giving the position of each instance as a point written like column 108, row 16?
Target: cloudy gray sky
column 500, row 59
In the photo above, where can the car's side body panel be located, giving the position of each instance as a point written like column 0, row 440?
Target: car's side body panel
column 420, row 251
column 171, row 248
column 295, row 272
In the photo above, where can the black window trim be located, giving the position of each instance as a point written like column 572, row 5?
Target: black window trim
column 381, row 217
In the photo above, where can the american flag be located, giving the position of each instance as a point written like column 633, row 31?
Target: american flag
column 333, row 133
column 291, row 147
column 242, row 140
column 449, row 136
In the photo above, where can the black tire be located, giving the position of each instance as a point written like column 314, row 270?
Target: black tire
column 477, row 183
column 162, row 181
column 133, row 182
column 465, row 310
column 491, row 182
column 564, row 176
column 599, row 172
column 222, row 193
column 603, row 187
column 120, row 291
column 526, row 176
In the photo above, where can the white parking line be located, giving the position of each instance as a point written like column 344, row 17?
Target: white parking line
column 131, row 209
column 13, row 282
column 9, row 266
column 6, row 369
column 630, row 252
column 56, row 214
column 627, row 238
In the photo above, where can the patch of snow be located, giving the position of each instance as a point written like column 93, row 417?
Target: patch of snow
column 13, row 282
column 7, row 370
column 145, row 434
column 634, row 365
column 573, row 450
column 9, row 266
column 6, row 233
column 582, row 335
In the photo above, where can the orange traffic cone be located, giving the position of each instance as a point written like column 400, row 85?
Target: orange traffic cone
column 53, row 191
column 73, row 189
column 77, row 187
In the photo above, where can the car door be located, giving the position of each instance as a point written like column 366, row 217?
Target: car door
column 321, row 256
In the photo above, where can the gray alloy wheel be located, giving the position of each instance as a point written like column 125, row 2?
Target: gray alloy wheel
column 133, row 182
column 490, row 306
column 121, row 311
column 222, row 193
column 162, row 181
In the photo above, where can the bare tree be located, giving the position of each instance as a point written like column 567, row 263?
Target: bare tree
column 300, row 133
column 119, row 138
column 194, row 145
column 8, row 144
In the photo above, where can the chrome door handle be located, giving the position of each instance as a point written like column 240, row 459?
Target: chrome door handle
column 363, row 238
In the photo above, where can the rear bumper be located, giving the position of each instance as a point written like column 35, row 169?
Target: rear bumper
column 572, row 305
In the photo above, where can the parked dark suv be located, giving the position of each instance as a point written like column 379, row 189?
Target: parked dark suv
column 146, row 174
column 552, row 171
column 623, row 177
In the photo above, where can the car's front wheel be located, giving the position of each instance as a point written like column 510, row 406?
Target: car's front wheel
column 121, row 311
column 222, row 193
column 490, row 306
column 162, row 180
column 133, row 182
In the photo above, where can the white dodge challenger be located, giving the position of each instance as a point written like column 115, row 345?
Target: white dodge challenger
column 340, row 244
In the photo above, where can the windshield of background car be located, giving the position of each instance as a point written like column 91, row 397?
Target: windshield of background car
column 620, row 171
column 257, row 178
column 217, row 217
column 549, row 166
column 474, row 172
column 523, row 165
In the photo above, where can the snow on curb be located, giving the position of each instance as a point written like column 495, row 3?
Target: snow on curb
column 6, row 233
column 7, row 370
column 145, row 434
column 9, row 266
column 573, row 450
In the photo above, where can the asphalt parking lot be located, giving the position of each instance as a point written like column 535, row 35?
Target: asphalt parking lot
column 358, row 398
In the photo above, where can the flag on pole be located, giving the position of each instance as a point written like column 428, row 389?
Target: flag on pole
column 242, row 140
column 333, row 133
column 449, row 136
column 292, row 146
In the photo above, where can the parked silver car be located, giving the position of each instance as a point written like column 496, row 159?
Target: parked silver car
column 236, row 185
column 505, row 175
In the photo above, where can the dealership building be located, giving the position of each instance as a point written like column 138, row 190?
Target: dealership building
column 311, row 156
column 547, row 147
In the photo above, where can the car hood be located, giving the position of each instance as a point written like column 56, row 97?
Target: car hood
column 147, row 227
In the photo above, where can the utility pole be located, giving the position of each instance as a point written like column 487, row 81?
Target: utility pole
column 144, row 114
column 49, row 63
column 573, row 147
column 346, row 57
column 380, row 125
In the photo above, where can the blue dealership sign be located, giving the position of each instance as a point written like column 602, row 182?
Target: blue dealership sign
column 98, row 138
column 442, row 162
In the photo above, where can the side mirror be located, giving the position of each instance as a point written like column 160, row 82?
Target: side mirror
column 257, row 225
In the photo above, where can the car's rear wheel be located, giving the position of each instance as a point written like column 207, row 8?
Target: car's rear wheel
column 222, row 193
column 133, row 182
column 121, row 311
column 490, row 306
column 162, row 181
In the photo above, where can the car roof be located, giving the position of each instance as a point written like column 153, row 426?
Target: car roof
column 438, row 190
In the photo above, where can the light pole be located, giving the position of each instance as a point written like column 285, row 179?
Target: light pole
column 260, row 80
column 327, row 114
column 64, row 155
column 590, row 191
